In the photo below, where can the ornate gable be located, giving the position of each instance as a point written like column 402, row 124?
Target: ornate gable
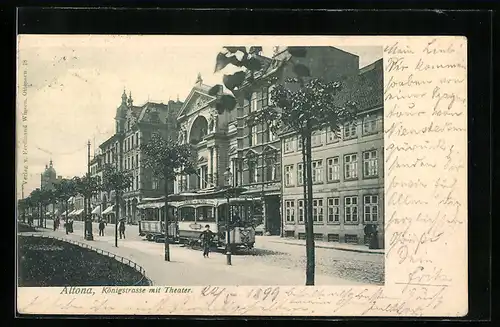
column 195, row 101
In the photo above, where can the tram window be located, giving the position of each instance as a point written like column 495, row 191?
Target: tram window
column 187, row 214
column 205, row 214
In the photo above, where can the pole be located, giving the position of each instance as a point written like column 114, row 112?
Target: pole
column 167, row 242
column 310, row 272
column 88, row 218
column 116, row 217
column 266, row 227
column 228, row 243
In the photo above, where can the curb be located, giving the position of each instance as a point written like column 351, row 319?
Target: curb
column 333, row 248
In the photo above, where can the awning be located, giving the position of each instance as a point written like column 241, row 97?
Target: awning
column 75, row 212
column 97, row 210
column 108, row 210
column 153, row 205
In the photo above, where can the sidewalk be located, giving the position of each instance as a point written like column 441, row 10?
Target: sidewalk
column 321, row 244
column 188, row 267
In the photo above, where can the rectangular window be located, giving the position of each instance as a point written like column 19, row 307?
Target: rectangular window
column 300, row 174
column 333, row 210
column 333, row 169
column 370, row 164
column 370, row 208
column 290, row 211
column 289, row 175
column 350, row 130
column 316, row 138
column 156, row 183
column 253, row 132
column 317, row 210
column 299, row 143
column 288, row 144
column 270, row 135
column 132, row 163
column 252, row 171
column 137, row 160
column 270, row 170
column 351, row 166
column 252, row 136
column 331, row 136
column 370, row 124
column 351, row 209
column 317, row 171
column 204, row 174
column 137, row 182
column 300, row 205
column 137, row 138
column 253, row 101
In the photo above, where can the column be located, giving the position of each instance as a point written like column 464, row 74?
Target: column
column 215, row 167
column 210, row 165
column 264, row 215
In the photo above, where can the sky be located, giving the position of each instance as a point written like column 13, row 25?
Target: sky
column 74, row 85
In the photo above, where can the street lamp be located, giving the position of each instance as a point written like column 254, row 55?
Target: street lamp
column 227, row 181
column 88, row 208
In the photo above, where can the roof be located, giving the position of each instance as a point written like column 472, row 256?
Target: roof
column 366, row 89
column 110, row 139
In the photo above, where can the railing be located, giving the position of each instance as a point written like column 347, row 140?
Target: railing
column 118, row 258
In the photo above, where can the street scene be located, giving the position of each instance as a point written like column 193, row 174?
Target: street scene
column 266, row 169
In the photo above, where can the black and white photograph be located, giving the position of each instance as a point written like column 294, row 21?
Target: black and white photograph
column 268, row 159
column 169, row 174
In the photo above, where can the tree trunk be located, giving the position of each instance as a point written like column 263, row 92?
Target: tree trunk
column 88, row 218
column 54, row 213
column 117, row 208
column 305, row 207
column 167, row 242
column 309, row 222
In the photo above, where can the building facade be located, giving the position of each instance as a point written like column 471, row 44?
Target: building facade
column 134, row 126
column 201, row 126
column 347, row 170
column 236, row 140
column 260, row 154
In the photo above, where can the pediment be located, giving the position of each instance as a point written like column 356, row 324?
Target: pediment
column 195, row 102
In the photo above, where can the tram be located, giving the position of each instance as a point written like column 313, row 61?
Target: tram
column 188, row 218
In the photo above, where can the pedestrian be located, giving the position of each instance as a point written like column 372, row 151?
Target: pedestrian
column 374, row 238
column 101, row 228
column 121, row 228
column 54, row 224
column 206, row 240
column 70, row 222
column 66, row 226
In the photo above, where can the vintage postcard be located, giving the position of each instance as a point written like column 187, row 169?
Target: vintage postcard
column 242, row 175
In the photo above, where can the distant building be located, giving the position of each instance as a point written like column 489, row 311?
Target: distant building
column 49, row 177
column 47, row 181
column 134, row 126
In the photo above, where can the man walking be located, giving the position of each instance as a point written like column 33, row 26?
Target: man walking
column 101, row 228
column 121, row 228
column 206, row 240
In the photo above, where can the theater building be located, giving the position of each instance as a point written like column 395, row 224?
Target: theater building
column 347, row 171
